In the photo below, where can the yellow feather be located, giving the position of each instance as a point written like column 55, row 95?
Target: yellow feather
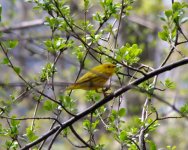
column 95, row 78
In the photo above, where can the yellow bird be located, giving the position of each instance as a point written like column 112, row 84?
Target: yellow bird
column 94, row 78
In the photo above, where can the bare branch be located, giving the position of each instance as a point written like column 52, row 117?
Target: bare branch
column 23, row 25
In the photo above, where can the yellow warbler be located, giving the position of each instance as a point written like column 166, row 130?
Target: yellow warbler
column 95, row 78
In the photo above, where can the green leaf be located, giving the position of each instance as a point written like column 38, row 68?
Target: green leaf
column 86, row 123
column 153, row 126
column 163, row 35
column 52, row 22
column 94, row 124
column 12, row 44
column 90, row 126
column 122, row 112
column 14, row 128
column 170, row 84
column 168, row 13
column 47, row 72
column 30, row 134
column 176, row 6
column 1, row 129
column 36, row 8
column 132, row 147
column 55, row 44
column 152, row 145
column 98, row 17
column 5, row 61
column 123, row 135
column 99, row 147
column 12, row 145
column 14, row 122
column 171, row 147
column 17, row 70
column 178, row 11
column 184, row 109
column 78, row 51
column 148, row 86
column 129, row 53
column 49, row 105
column 68, row 102
column 93, row 95
column 86, row 4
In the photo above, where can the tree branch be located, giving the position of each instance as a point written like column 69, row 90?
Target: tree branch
column 23, row 25
column 107, row 99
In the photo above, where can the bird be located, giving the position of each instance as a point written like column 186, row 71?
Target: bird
column 95, row 78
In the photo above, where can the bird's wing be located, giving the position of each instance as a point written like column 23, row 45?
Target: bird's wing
column 86, row 77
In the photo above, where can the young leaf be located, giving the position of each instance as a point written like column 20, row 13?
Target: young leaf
column 11, row 44
column 49, row 105
column 123, row 135
column 122, row 112
column 17, row 70
column 184, row 109
column 164, row 35
column 47, row 72
column 152, row 145
column 30, row 134
column 168, row 13
column 170, row 84
column 5, row 61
